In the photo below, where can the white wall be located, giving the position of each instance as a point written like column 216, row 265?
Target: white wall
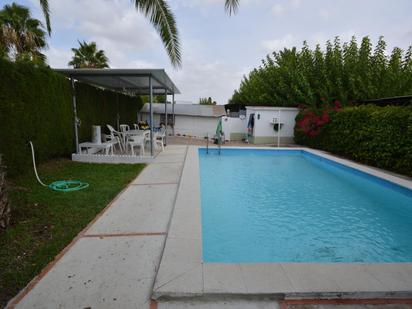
column 264, row 116
column 234, row 128
column 189, row 125
column 196, row 126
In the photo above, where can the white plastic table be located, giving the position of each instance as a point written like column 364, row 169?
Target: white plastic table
column 106, row 146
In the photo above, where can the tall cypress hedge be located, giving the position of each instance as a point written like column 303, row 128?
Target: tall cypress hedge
column 36, row 105
column 378, row 136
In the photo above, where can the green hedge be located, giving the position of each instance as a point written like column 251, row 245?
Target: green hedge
column 36, row 104
column 378, row 136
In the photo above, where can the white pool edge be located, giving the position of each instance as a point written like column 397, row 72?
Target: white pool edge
column 182, row 272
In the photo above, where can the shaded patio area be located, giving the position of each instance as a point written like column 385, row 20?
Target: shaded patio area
column 133, row 82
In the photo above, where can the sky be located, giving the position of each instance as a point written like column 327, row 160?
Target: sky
column 217, row 49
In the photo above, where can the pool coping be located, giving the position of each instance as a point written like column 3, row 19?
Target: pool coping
column 182, row 273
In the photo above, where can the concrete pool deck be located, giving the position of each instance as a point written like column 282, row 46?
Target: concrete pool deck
column 114, row 262
column 182, row 272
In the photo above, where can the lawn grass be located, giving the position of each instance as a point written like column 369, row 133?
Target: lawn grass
column 45, row 221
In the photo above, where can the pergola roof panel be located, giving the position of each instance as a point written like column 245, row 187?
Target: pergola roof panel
column 135, row 80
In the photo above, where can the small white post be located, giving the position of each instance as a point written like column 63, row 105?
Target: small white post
column 278, row 128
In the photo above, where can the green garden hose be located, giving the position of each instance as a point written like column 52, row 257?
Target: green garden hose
column 60, row 185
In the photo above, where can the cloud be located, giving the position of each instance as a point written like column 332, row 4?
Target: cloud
column 324, row 14
column 206, row 79
column 281, row 8
column 57, row 57
column 279, row 43
column 278, row 9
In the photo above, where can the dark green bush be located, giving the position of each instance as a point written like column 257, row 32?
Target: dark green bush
column 36, row 105
column 378, row 136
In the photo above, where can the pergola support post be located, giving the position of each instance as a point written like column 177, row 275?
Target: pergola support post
column 166, row 122
column 173, row 113
column 76, row 120
column 151, row 114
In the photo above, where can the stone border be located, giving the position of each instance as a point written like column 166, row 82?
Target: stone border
column 112, row 159
column 182, row 272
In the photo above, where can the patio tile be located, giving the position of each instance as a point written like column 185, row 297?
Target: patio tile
column 265, row 279
column 189, row 283
column 100, row 273
column 394, row 277
column 182, row 250
column 186, row 224
column 174, row 149
column 171, row 270
column 223, row 279
column 170, row 158
column 140, row 209
column 160, row 173
column 351, row 277
column 224, row 304
column 360, row 306
column 306, row 278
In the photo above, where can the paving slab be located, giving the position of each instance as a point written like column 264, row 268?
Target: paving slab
column 223, row 279
column 352, row 277
column 191, row 282
column 160, row 173
column 140, row 209
column 185, row 224
column 113, row 272
column 224, row 304
column 265, row 279
column 170, row 158
column 306, row 278
column 180, row 272
column 170, row 271
column 394, row 277
column 178, row 249
column 360, row 306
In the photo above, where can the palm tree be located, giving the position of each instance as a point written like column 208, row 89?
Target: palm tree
column 162, row 19
column 21, row 37
column 87, row 56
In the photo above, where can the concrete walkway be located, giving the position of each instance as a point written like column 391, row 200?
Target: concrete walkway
column 112, row 264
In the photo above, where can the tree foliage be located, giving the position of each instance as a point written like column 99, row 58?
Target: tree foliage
column 88, row 56
column 21, row 36
column 346, row 72
column 207, row 101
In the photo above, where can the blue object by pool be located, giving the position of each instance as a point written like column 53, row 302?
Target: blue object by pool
column 293, row 206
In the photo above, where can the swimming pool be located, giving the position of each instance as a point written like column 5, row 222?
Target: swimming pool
column 294, row 206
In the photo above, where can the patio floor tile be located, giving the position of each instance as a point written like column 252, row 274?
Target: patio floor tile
column 114, row 272
column 140, row 209
column 160, row 173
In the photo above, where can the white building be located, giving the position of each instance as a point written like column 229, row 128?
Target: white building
column 260, row 126
column 190, row 119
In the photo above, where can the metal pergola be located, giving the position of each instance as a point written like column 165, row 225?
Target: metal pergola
column 137, row 81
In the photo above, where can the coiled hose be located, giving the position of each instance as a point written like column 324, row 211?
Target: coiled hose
column 60, row 185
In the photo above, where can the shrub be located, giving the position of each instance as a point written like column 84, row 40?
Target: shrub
column 378, row 136
column 346, row 72
column 36, row 104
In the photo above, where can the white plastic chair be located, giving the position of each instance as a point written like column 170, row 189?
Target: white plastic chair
column 159, row 139
column 136, row 140
column 123, row 129
column 115, row 136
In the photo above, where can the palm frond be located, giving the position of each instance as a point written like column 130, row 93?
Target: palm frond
column 163, row 20
column 46, row 12
column 231, row 6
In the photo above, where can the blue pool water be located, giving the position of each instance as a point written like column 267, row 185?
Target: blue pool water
column 293, row 206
